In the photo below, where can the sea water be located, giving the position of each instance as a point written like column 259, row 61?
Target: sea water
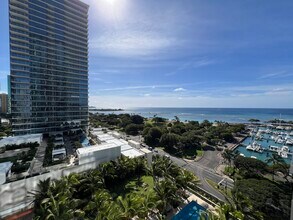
column 265, row 143
column 233, row 115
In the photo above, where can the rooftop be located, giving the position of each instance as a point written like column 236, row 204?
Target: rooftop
column 21, row 139
column 132, row 153
column 98, row 147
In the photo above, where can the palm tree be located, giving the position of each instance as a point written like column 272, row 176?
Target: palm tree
column 99, row 202
column 166, row 191
column 60, row 207
column 41, row 193
column 108, row 171
column 127, row 206
column 111, row 212
column 227, row 155
column 163, row 166
column 90, row 182
column 145, row 203
column 227, row 211
column 186, row 179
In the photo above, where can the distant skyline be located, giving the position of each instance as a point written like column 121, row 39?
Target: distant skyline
column 187, row 53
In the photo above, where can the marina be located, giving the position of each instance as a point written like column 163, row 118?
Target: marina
column 263, row 141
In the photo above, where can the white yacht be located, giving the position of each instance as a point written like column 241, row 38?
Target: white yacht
column 284, row 152
column 280, row 140
column 255, row 147
column 289, row 142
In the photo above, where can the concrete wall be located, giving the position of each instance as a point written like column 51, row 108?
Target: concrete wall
column 16, row 196
column 104, row 155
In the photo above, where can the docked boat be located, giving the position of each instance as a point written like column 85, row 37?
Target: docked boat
column 253, row 157
column 289, row 142
column 274, row 148
column 242, row 155
column 280, row 140
column 255, row 147
column 274, row 137
column 284, row 152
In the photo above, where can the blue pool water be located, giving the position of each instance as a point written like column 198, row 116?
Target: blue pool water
column 191, row 211
column 85, row 142
column 265, row 143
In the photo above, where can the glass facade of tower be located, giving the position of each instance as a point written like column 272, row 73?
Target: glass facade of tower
column 49, row 65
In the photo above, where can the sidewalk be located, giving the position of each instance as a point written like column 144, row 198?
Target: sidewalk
column 37, row 162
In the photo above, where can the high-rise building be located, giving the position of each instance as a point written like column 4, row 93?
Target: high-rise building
column 49, row 65
column 4, row 103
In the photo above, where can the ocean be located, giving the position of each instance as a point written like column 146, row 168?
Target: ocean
column 232, row 115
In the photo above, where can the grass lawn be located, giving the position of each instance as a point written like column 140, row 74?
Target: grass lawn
column 138, row 185
column 221, row 189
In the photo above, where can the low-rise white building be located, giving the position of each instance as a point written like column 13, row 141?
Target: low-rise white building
column 102, row 153
column 134, row 144
column 148, row 154
column 132, row 153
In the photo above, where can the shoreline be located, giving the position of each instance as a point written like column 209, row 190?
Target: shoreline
column 212, row 115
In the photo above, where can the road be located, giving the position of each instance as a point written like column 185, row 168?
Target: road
column 203, row 169
column 203, row 172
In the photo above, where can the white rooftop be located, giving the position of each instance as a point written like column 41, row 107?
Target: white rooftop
column 95, row 148
column 125, row 147
column 115, row 141
column 133, row 142
column 98, row 132
column 105, row 137
column 21, row 139
column 131, row 153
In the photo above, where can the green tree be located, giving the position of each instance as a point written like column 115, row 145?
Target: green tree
column 169, row 141
column 152, row 138
column 274, row 159
column 166, row 191
column 137, row 119
column 133, row 129
column 229, row 155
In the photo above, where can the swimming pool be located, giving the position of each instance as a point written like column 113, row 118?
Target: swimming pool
column 191, row 211
column 85, row 142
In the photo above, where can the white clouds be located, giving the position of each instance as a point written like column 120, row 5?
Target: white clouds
column 278, row 74
column 141, row 87
column 179, row 90
column 130, row 44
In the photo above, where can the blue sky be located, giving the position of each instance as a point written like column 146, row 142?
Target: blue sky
column 187, row 53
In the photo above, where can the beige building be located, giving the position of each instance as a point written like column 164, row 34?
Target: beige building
column 4, row 103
